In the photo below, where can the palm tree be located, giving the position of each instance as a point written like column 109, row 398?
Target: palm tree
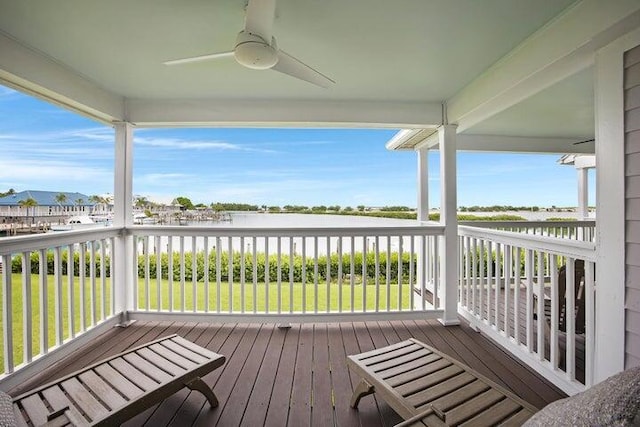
column 28, row 203
column 60, row 199
column 79, row 201
column 141, row 202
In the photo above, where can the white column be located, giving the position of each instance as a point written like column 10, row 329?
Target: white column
column 423, row 183
column 583, row 193
column 448, row 218
column 608, row 357
column 123, row 216
column 423, row 215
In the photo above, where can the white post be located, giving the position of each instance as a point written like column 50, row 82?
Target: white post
column 423, row 183
column 123, row 217
column 610, row 207
column 423, row 215
column 583, row 193
column 448, row 218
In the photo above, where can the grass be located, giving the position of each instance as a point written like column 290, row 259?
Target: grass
column 303, row 295
column 18, row 314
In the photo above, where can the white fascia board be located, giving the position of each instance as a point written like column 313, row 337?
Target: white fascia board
column 585, row 162
column 563, row 47
column 265, row 113
column 410, row 139
column 519, row 144
column 32, row 72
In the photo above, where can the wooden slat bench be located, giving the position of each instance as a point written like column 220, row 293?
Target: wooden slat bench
column 428, row 388
column 114, row 390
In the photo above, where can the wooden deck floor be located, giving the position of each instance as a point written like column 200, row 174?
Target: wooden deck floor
column 298, row 376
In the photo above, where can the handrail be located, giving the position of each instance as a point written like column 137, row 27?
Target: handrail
column 286, row 270
column 520, row 288
column 9, row 245
column 553, row 245
column 529, row 224
column 160, row 230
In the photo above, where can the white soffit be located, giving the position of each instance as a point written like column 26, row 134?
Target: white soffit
column 118, row 48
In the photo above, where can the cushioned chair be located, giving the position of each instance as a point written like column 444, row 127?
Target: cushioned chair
column 114, row 390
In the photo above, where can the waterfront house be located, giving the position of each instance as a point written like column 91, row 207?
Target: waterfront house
column 46, row 206
column 538, row 76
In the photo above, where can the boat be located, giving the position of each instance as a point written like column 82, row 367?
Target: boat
column 143, row 219
column 77, row 223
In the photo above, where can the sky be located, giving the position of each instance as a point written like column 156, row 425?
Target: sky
column 45, row 147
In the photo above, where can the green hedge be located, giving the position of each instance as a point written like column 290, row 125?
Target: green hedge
column 16, row 263
column 273, row 266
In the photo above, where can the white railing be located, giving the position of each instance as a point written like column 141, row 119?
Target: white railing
column 510, row 288
column 55, row 288
column 311, row 272
column 583, row 230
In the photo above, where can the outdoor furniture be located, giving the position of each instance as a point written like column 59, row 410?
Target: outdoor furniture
column 579, row 293
column 114, row 390
column 428, row 388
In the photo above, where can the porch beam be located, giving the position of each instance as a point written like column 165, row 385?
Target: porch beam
column 34, row 73
column 123, row 216
column 520, row 144
column 560, row 49
column 448, row 218
column 411, row 139
column 238, row 113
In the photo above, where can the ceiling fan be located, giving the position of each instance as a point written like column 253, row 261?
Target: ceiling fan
column 256, row 48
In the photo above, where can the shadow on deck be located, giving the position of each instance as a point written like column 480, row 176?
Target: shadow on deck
column 298, row 376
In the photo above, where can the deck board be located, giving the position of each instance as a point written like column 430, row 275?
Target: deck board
column 298, row 376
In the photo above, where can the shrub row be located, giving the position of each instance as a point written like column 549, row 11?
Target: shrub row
column 285, row 264
column 16, row 263
column 285, row 267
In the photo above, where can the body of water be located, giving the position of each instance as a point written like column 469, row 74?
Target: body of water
column 266, row 220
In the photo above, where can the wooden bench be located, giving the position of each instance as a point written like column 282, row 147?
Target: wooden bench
column 116, row 389
column 428, row 388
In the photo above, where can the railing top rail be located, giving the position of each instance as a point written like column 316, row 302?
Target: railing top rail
column 418, row 230
column 12, row 245
column 529, row 224
column 554, row 245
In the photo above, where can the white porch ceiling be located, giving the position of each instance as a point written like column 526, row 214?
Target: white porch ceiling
column 394, row 62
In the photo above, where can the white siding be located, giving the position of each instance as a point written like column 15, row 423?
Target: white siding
column 632, row 208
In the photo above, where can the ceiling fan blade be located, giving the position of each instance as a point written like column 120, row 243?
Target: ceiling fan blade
column 287, row 64
column 259, row 18
column 199, row 58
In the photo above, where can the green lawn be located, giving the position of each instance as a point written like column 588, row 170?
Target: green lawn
column 300, row 294
column 18, row 316
column 299, row 290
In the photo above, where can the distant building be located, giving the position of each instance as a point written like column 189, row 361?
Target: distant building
column 48, row 205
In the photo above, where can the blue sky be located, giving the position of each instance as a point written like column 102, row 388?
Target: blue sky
column 44, row 147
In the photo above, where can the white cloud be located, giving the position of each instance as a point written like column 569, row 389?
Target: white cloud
column 103, row 134
column 6, row 92
column 180, row 144
column 33, row 172
column 163, row 179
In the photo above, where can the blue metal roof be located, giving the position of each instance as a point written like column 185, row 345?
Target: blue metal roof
column 45, row 198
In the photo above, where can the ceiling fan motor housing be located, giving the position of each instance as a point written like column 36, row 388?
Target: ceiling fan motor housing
column 253, row 51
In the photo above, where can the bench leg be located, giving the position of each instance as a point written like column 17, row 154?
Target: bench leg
column 363, row 389
column 198, row 385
